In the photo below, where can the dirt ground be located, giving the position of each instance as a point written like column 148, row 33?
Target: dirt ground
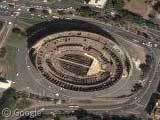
column 139, row 7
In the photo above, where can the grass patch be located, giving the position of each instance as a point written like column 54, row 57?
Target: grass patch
column 32, row 19
column 16, row 40
column 10, row 62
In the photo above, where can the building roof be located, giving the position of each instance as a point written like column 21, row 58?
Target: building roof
column 6, row 85
column 98, row 3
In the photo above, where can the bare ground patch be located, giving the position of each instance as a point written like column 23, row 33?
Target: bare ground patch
column 139, row 7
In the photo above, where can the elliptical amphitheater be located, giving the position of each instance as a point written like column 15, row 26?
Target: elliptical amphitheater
column 79, row 58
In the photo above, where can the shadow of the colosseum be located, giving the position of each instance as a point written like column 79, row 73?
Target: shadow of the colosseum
column 40, row 30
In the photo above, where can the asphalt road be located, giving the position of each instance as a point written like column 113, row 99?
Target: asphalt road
column 6, row 30
column 142, row 97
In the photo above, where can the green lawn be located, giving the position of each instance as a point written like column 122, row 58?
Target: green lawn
column 16, row 40
column 10, row 62
column 32, row 19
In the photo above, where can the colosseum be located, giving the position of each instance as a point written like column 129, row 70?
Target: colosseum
column 77, row 57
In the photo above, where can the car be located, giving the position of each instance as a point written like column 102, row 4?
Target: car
column 136, row 98
column 28, row 66
column 9, row 23
column 57, row 94
column 73, row 106
column 17, row 74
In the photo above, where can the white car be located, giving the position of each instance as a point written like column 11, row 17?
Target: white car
column 17, row 74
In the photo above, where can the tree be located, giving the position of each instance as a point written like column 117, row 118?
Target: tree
column 16, row 30
column 156, row 7
column 86, row 11
column 3, row 52
column 3, row 79
column 8, row 100
column 44, row 11
column 148, row 59
column 32, row 10
column 1, row 25
column 87, row 1
column 136, row 87
column 80, row 113
column 143, row 67
column 116, row 4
